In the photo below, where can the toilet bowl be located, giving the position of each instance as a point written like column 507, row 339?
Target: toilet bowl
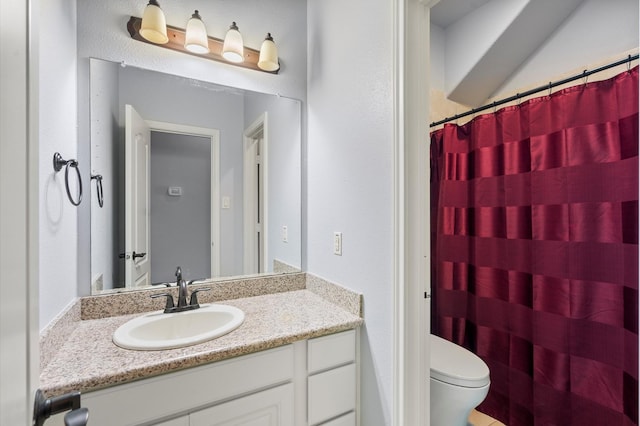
column 459, row 383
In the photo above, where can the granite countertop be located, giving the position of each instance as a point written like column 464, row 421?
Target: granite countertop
column 88, row 360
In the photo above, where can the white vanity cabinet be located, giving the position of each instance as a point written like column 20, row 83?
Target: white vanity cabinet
column 306, row 383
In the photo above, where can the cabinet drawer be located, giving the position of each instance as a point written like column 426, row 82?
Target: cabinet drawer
column 331, row 351
column 332, row 393
column 272, row 407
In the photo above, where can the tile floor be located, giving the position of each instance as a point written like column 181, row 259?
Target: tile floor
column 480, row 419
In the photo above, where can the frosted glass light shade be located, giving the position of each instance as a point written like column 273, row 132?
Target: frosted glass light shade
column 195, row 39
column 154, row 24
column 268, row 60
column 233, row 47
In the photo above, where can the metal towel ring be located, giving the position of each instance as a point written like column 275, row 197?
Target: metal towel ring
column 58, row 163
column 98, row 179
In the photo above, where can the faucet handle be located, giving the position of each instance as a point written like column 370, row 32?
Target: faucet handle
column 194, row 295
column 169, row 306
column 179, row 274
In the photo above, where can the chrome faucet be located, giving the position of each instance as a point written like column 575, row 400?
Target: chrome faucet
column 182, row 304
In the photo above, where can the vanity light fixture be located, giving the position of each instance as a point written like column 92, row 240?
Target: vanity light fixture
column 154, row 24
column 233, row 48
column 268, row 60
column 196, row 40
column 265, row 60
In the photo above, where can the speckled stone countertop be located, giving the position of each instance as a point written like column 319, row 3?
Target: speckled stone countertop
column 88, row 360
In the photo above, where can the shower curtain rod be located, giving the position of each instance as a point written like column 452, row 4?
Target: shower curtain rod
column 549, row 86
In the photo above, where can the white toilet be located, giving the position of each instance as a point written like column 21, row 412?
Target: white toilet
column 459, row 383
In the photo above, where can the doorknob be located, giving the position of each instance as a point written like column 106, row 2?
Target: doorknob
column 134, row 255
column 43, row 408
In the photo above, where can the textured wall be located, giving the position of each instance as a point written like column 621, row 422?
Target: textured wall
column 57, row 132
column 350, row 173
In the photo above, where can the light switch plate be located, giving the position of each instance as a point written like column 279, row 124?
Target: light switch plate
column 337, row 243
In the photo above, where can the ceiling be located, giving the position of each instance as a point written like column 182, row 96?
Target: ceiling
column 487, row 41
column 446, row 12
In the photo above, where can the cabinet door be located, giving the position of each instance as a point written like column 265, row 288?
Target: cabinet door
column 346, row 420
column 180, row 421
column 272, row 407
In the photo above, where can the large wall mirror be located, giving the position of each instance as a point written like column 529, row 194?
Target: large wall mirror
column 191, row 174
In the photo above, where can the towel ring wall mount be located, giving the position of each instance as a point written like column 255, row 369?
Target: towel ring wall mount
column 58, row 164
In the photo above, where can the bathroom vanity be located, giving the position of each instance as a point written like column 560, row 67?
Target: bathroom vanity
column 272, row 387
column 293, row 362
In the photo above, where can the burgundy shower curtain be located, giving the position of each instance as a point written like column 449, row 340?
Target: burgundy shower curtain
column 535, row 252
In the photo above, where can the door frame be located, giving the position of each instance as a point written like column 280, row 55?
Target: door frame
column 249, row 191
column 412, row 292
column 214, row 136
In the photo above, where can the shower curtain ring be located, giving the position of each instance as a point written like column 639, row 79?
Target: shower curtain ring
column 585, row 77
column 550, row 86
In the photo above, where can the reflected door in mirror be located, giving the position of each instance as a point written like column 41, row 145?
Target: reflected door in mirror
column 137, row 139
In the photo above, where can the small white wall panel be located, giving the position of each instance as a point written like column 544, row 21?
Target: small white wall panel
column 273, row 407
column 331, row 351
column 332, row 393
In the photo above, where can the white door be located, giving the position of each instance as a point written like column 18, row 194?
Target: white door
column 137, row 256
column 19, row 188
column 255, row 207
column 255, row 197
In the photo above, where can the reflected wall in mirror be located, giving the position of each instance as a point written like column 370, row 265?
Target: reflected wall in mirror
column 195, row 175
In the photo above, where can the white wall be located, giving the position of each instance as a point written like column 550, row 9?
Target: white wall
column 104, row 131
column 350, row 173
column 58, row 133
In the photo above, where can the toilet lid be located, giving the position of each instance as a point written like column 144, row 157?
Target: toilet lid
column 456, row 365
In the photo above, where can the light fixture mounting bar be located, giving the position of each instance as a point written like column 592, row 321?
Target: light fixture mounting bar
column 176, row 42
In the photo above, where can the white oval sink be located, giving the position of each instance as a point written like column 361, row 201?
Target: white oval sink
column 157, row 330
